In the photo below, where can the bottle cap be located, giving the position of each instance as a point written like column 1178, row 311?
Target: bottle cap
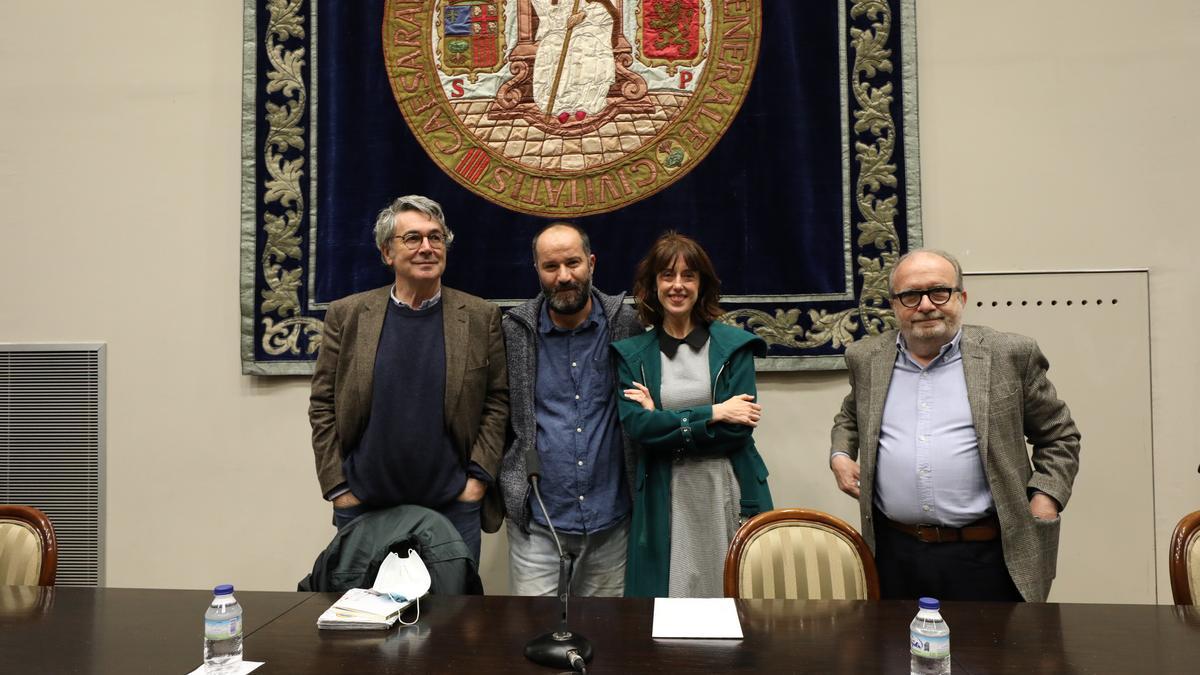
column 929, row 603
column 227, row 589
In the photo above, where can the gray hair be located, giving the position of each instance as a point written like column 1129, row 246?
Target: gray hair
column 385, row 222
column 958, row 275
column 583, row 236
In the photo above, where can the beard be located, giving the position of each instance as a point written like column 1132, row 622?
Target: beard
column 945, row 328
column 568, row 298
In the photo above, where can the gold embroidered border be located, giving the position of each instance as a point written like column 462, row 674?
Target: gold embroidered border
column 287, row 332
column 876, row 221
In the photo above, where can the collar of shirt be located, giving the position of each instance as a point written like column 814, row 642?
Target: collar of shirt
column 669, row 344
column 425, row 304
column 947, row 353
column 546, row 325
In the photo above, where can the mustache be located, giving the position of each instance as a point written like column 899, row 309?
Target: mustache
column 569, row 296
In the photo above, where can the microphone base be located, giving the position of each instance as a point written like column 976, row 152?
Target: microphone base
column 551, row 649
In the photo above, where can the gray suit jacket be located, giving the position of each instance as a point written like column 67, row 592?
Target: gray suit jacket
column 476, row 402
column 1010, row 400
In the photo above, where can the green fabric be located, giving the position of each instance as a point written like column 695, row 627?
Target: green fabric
column 353, row 557
column 663, row 433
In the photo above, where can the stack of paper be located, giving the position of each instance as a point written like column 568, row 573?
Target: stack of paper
column 362, row 609
column 696, row 618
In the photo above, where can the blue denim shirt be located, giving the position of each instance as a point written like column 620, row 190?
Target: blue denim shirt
column 578, row 437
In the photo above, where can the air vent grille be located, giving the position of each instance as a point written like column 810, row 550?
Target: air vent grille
column 52, row 447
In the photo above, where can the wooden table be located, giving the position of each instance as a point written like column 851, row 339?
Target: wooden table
column 70, row 630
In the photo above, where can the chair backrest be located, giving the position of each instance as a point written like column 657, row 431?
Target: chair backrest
column 28, row 549
column 800, row 554
column 1185, row 560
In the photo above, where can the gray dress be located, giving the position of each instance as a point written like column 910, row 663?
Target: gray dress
column 705, row 495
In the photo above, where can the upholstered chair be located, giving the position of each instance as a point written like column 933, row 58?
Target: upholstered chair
column 28, row 549
column 800, row 554
column 1185, row 560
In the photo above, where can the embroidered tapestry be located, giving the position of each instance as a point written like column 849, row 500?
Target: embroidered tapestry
column 781, row 134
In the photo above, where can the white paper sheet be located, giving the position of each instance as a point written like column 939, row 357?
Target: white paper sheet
column 243, row 668
column 696, row 618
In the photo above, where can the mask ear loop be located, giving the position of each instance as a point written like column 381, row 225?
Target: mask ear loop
column 399, row 598
column 415, row 620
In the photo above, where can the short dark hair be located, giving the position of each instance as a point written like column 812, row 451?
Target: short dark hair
column 661, row 256
column 583, row 236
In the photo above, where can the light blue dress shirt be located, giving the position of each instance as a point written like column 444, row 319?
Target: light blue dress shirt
column 928, row 468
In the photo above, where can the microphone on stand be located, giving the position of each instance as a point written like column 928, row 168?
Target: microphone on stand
column 562, row 648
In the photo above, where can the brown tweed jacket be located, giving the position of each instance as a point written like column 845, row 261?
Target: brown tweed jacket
column 1011, row 401
column 476, row 403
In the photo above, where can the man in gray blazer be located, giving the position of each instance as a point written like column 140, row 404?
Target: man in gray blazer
column 410, row 395
column 931, row 441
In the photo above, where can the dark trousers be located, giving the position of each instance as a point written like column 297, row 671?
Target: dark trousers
column 464, row 516
column 911, row 569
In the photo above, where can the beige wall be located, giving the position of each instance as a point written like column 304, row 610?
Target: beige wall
column 1054, row 135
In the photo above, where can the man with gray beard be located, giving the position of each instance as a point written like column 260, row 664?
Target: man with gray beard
column 562, row 388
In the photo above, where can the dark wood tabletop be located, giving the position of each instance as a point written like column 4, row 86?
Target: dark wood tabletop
column 159, row 631
column 116, row 630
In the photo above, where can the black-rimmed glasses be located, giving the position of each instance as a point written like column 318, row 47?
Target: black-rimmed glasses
column 412, row 240
column 938, row 296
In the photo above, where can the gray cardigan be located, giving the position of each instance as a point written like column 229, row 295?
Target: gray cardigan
column 520, row 343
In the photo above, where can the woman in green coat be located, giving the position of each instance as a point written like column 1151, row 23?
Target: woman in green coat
column 689, row 401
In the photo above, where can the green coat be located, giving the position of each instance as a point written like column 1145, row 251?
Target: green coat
column 663, row 433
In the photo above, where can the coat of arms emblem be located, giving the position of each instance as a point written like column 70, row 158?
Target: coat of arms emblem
column 549, row 107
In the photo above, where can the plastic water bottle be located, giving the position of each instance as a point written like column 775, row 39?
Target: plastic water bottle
column 223, row 631
column 929, row 640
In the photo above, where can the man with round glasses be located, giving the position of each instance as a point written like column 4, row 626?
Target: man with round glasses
column 931, row 440
column 409, row 397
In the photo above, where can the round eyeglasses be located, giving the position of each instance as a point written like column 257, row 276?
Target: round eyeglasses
column 412, row 240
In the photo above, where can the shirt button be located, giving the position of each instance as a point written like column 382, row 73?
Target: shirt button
column 576, row 397
column 578, row 430
column 923, row 508
column 580, row 497
column 922, row 438
column 572, row 364
column 685, row 420
column 581, row 462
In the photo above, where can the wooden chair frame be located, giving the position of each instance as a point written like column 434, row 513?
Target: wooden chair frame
column 1187, row 530
column 45, row 531
column 746, row 532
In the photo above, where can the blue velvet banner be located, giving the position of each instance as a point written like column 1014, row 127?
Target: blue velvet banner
column 780, row 134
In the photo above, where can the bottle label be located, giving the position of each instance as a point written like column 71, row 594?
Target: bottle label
column 222, row 629
column 929, row 647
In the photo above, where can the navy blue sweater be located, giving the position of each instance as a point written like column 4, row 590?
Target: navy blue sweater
column 406, row 455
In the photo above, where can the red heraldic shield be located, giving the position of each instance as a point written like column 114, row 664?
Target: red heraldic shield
column 484, row 31
column 671, row 30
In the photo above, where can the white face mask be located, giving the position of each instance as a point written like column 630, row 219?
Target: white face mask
column 402, row 578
